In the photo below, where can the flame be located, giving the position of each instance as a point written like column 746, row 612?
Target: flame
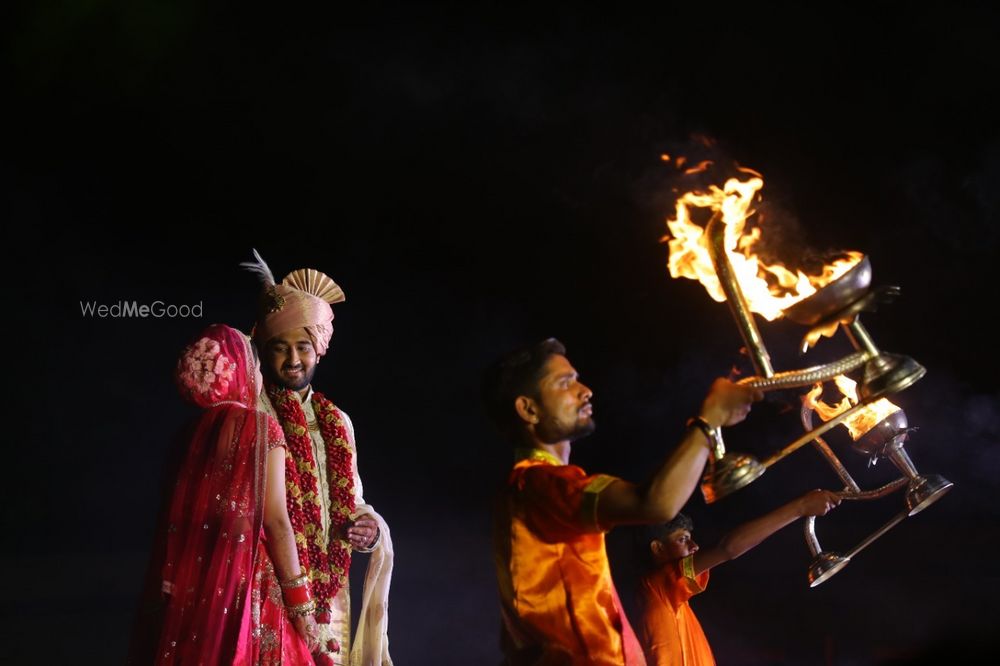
column 862, row 421
column 700, row 167
column 768, row 288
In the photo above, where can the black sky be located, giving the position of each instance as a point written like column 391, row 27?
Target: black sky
column 476, row 178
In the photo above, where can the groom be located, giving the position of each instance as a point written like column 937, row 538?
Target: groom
column 325, row 500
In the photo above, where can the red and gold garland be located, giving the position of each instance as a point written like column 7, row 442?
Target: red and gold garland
column 328, row 564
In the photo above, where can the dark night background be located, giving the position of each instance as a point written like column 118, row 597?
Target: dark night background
column 476, row 179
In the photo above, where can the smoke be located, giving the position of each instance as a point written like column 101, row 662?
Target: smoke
column 954, row 202
column 700, row 162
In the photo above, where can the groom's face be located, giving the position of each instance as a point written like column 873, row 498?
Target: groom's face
column 290, row 359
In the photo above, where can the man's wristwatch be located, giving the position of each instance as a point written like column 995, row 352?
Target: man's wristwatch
column 713, row 434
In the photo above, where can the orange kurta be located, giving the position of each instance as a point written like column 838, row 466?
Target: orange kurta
column 668, row 629
column 558, row 601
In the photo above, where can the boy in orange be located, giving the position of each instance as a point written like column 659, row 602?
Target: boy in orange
column 677, row 570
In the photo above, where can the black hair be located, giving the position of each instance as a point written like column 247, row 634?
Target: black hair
column 515, row 374
column 645, row 534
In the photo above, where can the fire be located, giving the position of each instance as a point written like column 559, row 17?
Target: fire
column 768, row 288
column 700, row 167
column 861, row 422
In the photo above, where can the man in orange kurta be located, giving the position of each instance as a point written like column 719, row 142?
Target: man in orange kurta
column 558, row 602
column 677, row 570
column 551, row 560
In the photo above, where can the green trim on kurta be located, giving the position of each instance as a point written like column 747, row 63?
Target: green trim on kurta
column 687, row 567
column 588, row 507
column 541, row 455
column 590, row 495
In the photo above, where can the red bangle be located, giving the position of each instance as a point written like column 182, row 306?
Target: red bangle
column 296, row 596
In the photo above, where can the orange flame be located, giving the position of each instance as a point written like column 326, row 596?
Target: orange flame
column 768, row 289
column 700, row 167
column 861, row 422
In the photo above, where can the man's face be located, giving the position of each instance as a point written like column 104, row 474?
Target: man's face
column 290, row 359
column 564, row 409
column 676, row 546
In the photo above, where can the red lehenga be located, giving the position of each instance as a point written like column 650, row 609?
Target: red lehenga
column 223, row 600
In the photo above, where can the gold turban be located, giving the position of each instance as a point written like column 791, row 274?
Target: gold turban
column 302, row 300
